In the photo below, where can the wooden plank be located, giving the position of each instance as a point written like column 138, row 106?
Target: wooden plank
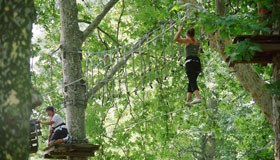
column 67, row 147
column 33, row 149
column 33, row 141
column 32, row 135
column 270, row 45
column 33, row 144
column 273, row 47
column 75, row 150
column 259, row 38
column 46, row 156
column 49, row 149
column 73, row 154
column 259, row 58
column 83, row 146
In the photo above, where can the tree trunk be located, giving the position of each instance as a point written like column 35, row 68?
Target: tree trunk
column 211, row 148
column 203, row 155
column 71, row 40
column 251, row 81
column 276, row 109
column 15, row 86
column 74, row 95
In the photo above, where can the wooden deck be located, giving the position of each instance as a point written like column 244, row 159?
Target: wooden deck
column 62, row 151
column 269, row 44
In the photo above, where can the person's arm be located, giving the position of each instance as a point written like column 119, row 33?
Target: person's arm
column 45, row 123
column 177, row 36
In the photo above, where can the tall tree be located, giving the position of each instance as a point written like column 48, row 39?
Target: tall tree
column 71, row 40
column 15, row 86
column 253, row 83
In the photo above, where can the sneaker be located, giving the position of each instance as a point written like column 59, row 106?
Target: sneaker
column 196, row 100
column 188, row 104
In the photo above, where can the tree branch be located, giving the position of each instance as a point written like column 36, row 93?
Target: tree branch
column 98, row 19
column 103, row 41
column 108, row 35
column 101, row 30
column 119, row 21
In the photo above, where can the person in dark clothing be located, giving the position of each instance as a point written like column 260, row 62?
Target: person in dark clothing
column 192, row 64
column 58, row 131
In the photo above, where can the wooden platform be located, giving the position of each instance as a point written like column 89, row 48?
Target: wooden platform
column 62, row 151
column 269, row 44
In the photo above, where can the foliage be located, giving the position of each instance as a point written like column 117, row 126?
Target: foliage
column 125, row 124
column 244, row 50
column 274, row 87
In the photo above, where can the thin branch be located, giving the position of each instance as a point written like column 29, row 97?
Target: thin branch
column 103, row 41
column 108, row 35
column 119, row 21
column 83, row 21
column 101, row 30
column 98, row 19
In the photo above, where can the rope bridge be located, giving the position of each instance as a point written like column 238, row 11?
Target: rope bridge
column 109, row 71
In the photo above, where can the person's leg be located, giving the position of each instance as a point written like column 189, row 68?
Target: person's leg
column 54, row 137
column 190, row 91
column 194, row 86
column 58, row 136
column 58, row 141
column 193, row 82
column 189, row 96
column 196, row 92
column 50, row 143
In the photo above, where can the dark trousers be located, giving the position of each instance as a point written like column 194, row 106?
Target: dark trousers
column 59, row 134
column 193, row 68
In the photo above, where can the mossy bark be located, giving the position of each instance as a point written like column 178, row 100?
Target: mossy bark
column 15, row 79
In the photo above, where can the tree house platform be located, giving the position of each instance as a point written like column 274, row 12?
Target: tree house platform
column 62, row 151
column 270, row 45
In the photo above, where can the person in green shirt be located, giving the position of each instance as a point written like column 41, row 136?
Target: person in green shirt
column 192, row 64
